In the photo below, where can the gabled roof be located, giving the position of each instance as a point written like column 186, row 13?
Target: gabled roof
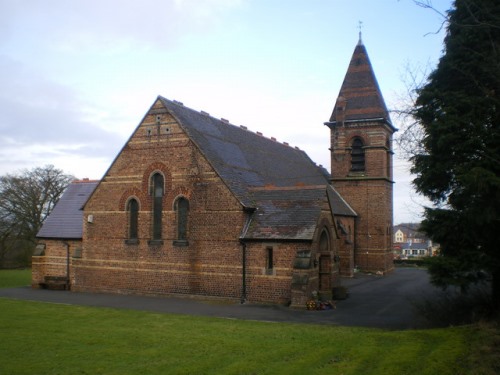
column 360, row 97
column 291, row 213
column 285, row 213
column 244, row 159
column 280, row 182
column 66, row 219
column 410, row 230
column 338, row 205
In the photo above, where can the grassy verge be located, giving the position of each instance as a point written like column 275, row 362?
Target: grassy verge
column 13, row 278
column 43, row 338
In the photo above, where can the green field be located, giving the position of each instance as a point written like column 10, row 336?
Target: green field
column 44, row 338
column 11, row 278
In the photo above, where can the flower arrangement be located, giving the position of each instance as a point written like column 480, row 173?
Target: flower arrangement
column 311, row 305
column 320, row 305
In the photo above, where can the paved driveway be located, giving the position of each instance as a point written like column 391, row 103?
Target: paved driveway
column 374, row 301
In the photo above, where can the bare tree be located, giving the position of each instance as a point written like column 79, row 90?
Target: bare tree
column 410, row 135
column 26, row 199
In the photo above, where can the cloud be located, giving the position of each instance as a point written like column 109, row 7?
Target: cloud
column 109, row 25
column 41, row 121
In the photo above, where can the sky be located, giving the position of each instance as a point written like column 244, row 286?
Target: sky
column 76, row 77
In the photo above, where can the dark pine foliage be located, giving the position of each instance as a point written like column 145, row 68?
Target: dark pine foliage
column 459, row 166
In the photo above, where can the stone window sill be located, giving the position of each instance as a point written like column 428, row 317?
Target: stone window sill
column 155, row 242
column 181, row 243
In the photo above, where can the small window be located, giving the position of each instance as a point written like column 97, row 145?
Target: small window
column 269, row 258
column 182, row 208
column 269, row 269
column 133, row 219
column 158, row 191
column 357, row 155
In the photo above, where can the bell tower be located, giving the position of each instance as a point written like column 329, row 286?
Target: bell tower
column 361, row 161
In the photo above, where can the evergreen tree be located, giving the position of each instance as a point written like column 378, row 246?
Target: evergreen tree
column 458, row 167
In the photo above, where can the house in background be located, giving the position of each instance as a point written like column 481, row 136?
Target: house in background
column 410, row 242
column 416, row 249
column 406, row 232
column 194, row 205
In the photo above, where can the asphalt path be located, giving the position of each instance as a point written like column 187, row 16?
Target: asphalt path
column 374, row 301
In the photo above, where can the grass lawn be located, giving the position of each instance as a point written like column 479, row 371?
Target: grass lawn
column 12, row 278
column 43, row 338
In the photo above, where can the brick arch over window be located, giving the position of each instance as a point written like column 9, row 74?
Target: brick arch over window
column 133, row 219
column 153, row 168
column 131, row 193
column 177, row 192
column 131, row 202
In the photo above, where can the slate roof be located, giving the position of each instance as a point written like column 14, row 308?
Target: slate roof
column 245, row 159
column 360, row 92
column 66, row 219
column 285, row 213
column 266, row 175
column 291, row 213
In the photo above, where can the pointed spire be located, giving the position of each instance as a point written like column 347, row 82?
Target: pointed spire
column 360, row 97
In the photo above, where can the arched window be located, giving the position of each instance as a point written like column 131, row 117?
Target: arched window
column 182, row 208
column 133, row 219
column 324, row 242
column 357, row 155
column 158, row 191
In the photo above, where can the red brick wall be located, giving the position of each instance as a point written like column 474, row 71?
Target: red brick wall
column 209, row 265
column 54, row 261
column 346, row 246
column 276, row 285
column 370, row 193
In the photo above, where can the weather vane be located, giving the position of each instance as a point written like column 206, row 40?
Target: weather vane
column 360, row 27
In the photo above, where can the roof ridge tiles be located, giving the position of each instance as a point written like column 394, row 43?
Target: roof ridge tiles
column 227, row 122
column 84, row 181
column 296, row 187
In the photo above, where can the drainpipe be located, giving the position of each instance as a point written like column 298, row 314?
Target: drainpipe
column 249, row 211
column 67, row 265
column 243, row 272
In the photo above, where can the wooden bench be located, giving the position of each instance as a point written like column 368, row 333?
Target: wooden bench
column 55, row 283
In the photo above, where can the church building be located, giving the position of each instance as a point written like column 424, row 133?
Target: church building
column 193, row 205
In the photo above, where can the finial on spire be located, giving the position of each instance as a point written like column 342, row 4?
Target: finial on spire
column 360, row 27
